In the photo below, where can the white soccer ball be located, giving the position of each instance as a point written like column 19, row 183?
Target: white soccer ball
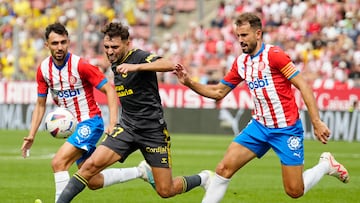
column 60, row 123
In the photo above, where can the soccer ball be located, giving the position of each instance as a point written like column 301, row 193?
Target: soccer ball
column 60, row 123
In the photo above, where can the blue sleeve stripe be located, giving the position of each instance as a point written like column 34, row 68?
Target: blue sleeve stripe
column 295, row 74
column 102, row 83
column 227, row 84
column 42, row 95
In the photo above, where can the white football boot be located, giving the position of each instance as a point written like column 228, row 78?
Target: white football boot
column 146, row 171
column 207, row 176
column 336, row 169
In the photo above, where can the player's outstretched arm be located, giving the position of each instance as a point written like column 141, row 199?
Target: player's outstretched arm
column 321, row 131
column 36, row 119
column 160, row 65
column 112, row 101
column 213, row 91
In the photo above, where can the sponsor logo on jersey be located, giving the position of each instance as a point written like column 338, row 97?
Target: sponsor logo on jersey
column 258, row 83
column 68, row 93
column 121, row 91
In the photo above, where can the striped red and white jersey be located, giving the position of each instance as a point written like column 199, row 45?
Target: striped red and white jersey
column 267, row 75
column 71, row 85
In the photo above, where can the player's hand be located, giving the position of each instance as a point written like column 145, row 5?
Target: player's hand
column 321, row 131
column 125, row 68
column 110, row 129
column 25, row 148
column 181, row 74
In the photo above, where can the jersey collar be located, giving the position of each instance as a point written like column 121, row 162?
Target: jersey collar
column 258, row 53
column 65, row 61
column 127, row 55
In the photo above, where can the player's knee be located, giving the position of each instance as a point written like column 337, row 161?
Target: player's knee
column 294, row 192
column 220, row 168
column 95, row 183
column 223, row 171
column 93, row 187
column 91, row 167
column 58, row 165
column 164, row 192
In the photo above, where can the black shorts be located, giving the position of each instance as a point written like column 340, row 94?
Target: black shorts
column 154, row 145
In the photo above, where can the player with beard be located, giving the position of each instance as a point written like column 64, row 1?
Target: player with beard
column 269, row 74
column 70, row 80
column 142, row 124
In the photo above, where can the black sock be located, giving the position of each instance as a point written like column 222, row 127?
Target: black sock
column 75, row 185
column 189, row 182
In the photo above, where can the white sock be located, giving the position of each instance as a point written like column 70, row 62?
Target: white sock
column 313, row 175
column 61, row 180
column 119, row 175
column 203, row 177
column 216, row 190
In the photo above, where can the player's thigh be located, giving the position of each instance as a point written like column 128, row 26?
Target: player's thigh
column 66, row 156
column 155, row 147
column 99, row 160
column 235, row 157
column 292, row 177
column 121, row 142
column 288, row 144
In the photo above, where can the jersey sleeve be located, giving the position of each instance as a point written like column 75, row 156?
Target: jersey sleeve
column 148, row 57
column 92, row 74
column 280, row 60
column 42, row 86
column 232, row 78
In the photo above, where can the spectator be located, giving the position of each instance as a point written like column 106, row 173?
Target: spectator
column 336, row 24
column 220, row 18
column 166, row 18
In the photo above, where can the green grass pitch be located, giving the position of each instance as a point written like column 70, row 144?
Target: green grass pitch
column 24, row 180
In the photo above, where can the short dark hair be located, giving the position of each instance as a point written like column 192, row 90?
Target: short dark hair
column 57, row 27
column 251, row 18
column 116, row 30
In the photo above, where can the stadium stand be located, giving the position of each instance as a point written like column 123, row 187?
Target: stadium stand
column 322, row 37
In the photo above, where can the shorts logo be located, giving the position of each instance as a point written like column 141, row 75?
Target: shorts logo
column 84, row 131
column 164, row 160
column 294, row 143
column 160, row 150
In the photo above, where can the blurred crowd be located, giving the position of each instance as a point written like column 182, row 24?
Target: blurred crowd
column 321, row 36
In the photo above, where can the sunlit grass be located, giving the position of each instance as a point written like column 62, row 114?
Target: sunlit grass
column 24, row 180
